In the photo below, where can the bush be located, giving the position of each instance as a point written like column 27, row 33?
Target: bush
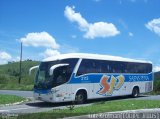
column 156, row 87
column 4, row 78
column 9, row 75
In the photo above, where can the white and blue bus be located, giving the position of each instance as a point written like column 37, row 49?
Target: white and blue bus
column 79, row 77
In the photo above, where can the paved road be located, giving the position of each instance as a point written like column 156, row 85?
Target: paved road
column 39, row 106
column 25, row 94
column 33, row 105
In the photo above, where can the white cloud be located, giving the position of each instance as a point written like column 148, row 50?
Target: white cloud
column 156, row 68
column 50, row 52
column 76, row 17
column 63, row 49
column 154, row 26
column 39, row 39
column 93, row 30
column 3, row 61
column 130, row 34
column 4, row 57
column 16, row 59
column 43, row 39
column 101, row 29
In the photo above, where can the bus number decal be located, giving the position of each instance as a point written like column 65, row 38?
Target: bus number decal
column 84, row 78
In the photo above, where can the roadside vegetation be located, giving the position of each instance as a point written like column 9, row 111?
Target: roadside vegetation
column 9, row 99
column 156, row 86
column 100, row 107
column 9, row 75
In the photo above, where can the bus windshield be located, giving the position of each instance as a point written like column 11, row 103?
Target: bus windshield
column 60, row 75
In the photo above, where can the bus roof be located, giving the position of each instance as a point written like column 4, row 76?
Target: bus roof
column 92, row 56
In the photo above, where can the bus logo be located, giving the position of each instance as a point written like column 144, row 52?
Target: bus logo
column 108, row 86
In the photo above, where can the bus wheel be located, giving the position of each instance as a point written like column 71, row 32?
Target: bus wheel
column 80, row 97
column 135, row 92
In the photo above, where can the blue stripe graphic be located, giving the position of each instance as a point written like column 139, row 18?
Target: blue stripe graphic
column 95, row 78
column 42, row 91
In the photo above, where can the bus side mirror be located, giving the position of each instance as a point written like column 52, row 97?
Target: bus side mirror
column 34, row 67
column 54, row 67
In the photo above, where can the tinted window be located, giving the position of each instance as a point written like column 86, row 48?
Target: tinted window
column 89, row 66
column 60, row 74
column 103, row 66
column 69, row 69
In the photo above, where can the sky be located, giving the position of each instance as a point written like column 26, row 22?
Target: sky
column 125, row 28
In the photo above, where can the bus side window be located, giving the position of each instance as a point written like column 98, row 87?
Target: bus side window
column 88, row 66
column 95, row 67
column 70, row 67
column 81, row 69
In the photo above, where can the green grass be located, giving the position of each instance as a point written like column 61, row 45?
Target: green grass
column 108, row 106
column 9, row 99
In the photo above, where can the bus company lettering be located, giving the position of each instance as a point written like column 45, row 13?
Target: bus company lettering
column 107, row 87
column 138, row 78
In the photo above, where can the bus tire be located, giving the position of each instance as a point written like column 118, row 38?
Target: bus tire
column 135, row 92
column 81, row 97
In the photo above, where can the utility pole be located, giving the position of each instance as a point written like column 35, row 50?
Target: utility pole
column 20, row 65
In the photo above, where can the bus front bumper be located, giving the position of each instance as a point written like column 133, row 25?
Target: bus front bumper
column 48, row 96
